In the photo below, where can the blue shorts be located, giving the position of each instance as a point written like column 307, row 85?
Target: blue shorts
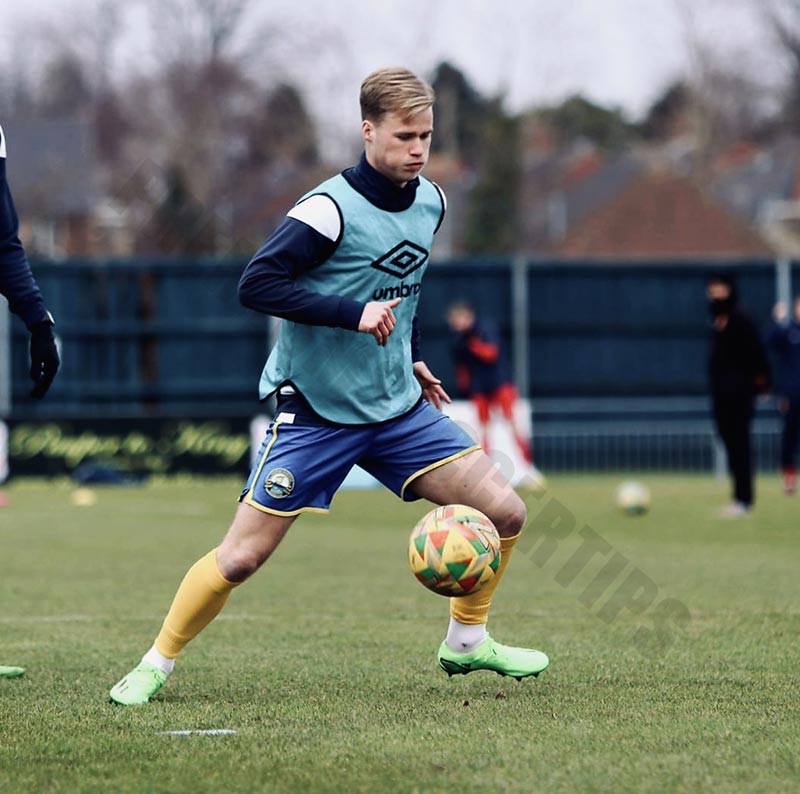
column 301, row 466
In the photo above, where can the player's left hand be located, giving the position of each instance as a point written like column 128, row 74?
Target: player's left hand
column 44, row 358
column 432, row 389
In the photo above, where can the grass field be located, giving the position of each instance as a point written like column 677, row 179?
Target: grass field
column 324, row 664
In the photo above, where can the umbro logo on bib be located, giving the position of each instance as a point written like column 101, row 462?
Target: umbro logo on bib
column 403, row 259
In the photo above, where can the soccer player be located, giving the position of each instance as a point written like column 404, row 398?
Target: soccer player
column 343, row 270
column 482, row 374
column 783, row 338
column 19, row 287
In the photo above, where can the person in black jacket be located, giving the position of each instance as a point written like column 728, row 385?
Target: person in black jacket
column 783, row 338
column 738, row 371
column 19, row 287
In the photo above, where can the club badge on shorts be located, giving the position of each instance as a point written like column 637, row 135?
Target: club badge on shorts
column 279, row 483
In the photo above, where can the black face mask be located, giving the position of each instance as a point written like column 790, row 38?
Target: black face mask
column 718, row 306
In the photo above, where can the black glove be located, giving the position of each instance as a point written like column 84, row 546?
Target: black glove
column 44, row 358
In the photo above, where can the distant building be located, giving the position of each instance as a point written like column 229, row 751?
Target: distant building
column 659, row 214
column 561, row 191
column 644, row 202
column 761, row 184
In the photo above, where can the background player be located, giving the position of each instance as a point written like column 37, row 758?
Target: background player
column 19, row 287
column 783, row 338
column 350, row 383
column 483, row 376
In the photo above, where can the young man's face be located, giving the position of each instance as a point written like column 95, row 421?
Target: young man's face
column 398, row 146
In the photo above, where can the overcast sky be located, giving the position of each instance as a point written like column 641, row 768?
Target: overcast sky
column 616, row 52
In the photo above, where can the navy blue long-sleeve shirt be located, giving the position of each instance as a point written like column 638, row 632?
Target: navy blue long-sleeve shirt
column 17, row 283
column 784, row 341
column 268, row 284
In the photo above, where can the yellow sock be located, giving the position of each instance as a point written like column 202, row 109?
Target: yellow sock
column 474, row 608
column 200, row 598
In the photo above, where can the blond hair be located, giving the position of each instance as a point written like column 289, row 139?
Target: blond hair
column 394, row 90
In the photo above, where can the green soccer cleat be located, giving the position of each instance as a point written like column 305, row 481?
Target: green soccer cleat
column 519, row 663
column 139, row 686
column 11, row 672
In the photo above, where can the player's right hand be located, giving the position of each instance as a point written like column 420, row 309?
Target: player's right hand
column 378, row 319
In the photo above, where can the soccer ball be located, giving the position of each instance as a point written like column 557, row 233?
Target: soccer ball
column 454, row 550
column 633, row 498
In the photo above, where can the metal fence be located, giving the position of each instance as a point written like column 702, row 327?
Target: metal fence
column 642, row 434
column 146, row 338
column 669, row 446
column 612, row 355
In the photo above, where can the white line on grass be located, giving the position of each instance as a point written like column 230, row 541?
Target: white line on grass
column 210, row 732
column 47, row 619
column 94, row 618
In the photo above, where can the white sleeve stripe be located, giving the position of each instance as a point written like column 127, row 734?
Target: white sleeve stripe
column 2, row 143
column 441, row 196
column 321, row 213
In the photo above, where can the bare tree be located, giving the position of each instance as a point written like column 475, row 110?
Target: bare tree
column 730, row 97
column 198, row 32
column 197, row 122
column 58, row 64
column 783, row 19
